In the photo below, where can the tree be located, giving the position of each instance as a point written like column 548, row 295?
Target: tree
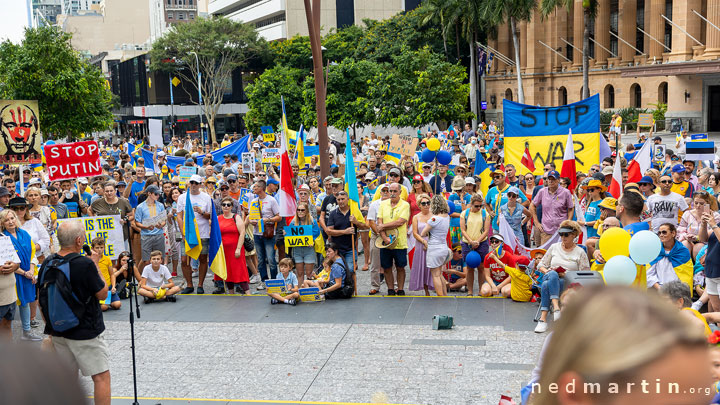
column 589, row 14
column 498, row 12
column 419, row 88
column 347, row 95
column 221, row 45
column 264, row 106
column 436, row 12
column 341, row 44
column 72, row 95
column 294, row 53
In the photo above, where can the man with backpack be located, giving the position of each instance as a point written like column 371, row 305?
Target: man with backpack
column 71, row 288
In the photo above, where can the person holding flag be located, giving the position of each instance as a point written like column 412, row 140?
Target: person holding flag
column 194, row 214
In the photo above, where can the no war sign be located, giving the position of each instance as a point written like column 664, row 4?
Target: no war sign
column 73, row 160
column 300, row 235
column 107, row 227
column 545, row 129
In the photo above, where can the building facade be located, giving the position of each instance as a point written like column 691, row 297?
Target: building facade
column 641, row 52
column 283, row 19
column 165, row 13
column 45, row 12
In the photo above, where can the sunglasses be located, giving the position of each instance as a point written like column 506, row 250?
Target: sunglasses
column 590, row 190
column 665, row 181
column 416, row 182
column 301, row 210
column 194, row 182
column 229, row 205
column 494, row 241
column 564, row 234
column 393, row 175
column 424, row 203
column 663, row 232
column 512, row 195
column 224, row 188
column 19, row 208
column 497, row 177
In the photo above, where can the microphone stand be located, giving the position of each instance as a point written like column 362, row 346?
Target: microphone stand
column 132, row 283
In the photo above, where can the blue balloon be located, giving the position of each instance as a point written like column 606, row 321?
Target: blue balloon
column 427, row 155
column 50, row 142
column 644, row 247
column 620, row 270
column 473, row 259
column 444, row 157
column 451, row 207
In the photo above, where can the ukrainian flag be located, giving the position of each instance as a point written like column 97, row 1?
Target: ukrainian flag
column 216, row 258
column 483, row 170
column 300, row 148
column 351, row 181
column 193, row 245
column 393, row 157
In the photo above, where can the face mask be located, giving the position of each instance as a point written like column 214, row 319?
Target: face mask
column 474, row 142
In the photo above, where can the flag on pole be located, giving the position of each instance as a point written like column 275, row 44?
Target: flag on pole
column 351, row 181
column 616, row 185
column 216, row 258
column 483, row 170
column 568, row 166
column 678, row 136
column 527, row 159
column 193, row 244
column 286, row 193
column 640, row 163
column 300, row 148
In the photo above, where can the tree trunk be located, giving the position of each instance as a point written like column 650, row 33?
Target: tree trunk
column 586, row 53
column 473, row 79
column 457, row 41
column 516, row 45
column 312, row 13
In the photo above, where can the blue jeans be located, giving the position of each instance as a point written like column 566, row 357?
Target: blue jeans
column 25, row 316
column 550, row 289
column 266, row 253
column 349, row 259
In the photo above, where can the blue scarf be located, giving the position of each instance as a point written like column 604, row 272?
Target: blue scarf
column 678, row 255
column 23, row 247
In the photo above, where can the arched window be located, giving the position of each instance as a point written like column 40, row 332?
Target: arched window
column 635, row 96
column 508, row 94
column 663, row 93
column 562, row 96
column 609, row 94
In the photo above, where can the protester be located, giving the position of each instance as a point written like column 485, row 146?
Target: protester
column 691, row 221
column 392, row 219
column 304, row 256
column 420, row 278
column 232, row 230
column 150, row 217
column 475, row 228
column 673, row 263
column 202, row 207
column 557, row 206
column 666, row 207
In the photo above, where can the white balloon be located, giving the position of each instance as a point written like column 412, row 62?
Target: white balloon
column 644, row 247
column 620, row 270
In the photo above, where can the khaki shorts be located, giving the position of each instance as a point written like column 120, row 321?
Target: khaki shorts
column 90, row 356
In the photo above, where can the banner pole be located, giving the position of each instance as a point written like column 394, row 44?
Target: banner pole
column 22, row 183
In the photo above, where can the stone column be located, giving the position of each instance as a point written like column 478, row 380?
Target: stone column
column 578, row 28
column 712, row 36
column 602, row 32
column 682, row 45
column 503, row 47
column 655, row 26
column 627, row 25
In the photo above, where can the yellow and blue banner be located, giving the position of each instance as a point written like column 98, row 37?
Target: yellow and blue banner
column 483, row 170
column 216, row 258
column 300, row 148
column 545, row 130
column 193, row 244
column 351, row 181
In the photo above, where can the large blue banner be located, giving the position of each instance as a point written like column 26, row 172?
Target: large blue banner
column 582, row 117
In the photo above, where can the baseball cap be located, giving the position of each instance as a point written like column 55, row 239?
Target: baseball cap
column 607, row 171
column 498, row 171
column 119, row 184
column 396, row 171
column 646, row 180
column 304, row 187
column 328, row 179
column 498, row 237
column 256, row 146
column 161, row 153
column 370, row 176
column 553, row 174
column 195, row 178
column 336, row 180
column 469, row 180
column 4, row 191
column 657, row 138
column 83, row 180
column 152, row 190
column 231, row 177
column 188, row 162
column 426, row 165
column 418, row 177
column 272, row 181
column 678, row 169
column 514, row 190
column 227, row 155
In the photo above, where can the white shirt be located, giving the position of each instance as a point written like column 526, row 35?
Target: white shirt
column 270, row 208
column 202, row 200
column 664, row 209
column 38, row 234
column 156, row 279
column 373, row 211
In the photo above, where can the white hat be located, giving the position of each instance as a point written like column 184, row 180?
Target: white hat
column 256, row 146
column 196, row 178
column 34, row 181
column 469, row 180
column 83, row 180
column 161, row 153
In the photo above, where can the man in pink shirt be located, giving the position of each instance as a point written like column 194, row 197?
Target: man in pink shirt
column 557, row 206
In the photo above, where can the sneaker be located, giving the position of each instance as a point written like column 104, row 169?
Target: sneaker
column 696, row 306
column 188, row 290
column 30, row 336
column 147, row 300
column 255, row 279
column 400, row 292
column 195, row 274
column 291, row 302
column 200, row 290
column 273, row 301
column 556, row 315
column 463, row 289
column 261, row 286
column 172, row 298
column 219, row 290
column 373, row 292
column 541, row 327
column 34, row 323
column 391, row 292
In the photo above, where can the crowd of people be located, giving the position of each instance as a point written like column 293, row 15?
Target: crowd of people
column 424, row 226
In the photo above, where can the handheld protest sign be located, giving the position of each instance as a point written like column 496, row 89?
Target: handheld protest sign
column 248, row 162
column 20, row 130
column 73, row 160
column 108, row 227
column 276, row 287
column 645, row 120
column 299, row 235
column 310, row 294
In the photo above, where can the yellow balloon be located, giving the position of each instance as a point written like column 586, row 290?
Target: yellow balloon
column 160, row 294
column 614, row 242
column 433, row 144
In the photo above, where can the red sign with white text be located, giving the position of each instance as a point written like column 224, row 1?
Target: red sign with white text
column 73, row 160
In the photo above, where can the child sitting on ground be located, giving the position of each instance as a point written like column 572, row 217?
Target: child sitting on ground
column 154, row 276
column 456, row 270
column 321, row 278
column 291, row 283
column 105, row 267
column 520, row 283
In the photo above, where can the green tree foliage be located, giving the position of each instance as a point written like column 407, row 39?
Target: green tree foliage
column 419, row 89
column 347, row 102
column 73, row 96
column 340, row 45
column 264, row 106
column 221, row 45
column 294, row 53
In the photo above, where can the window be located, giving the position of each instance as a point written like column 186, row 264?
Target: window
column 191, row 16
column 591, row 44
column 668, row 27
column 663, row 93
column 635, row 96
column 190, row 2
column 169, row 2
column 640, row 21
column 562, row 96
column 508, row 94
column 181, row 16
column 345, row 13
column 609, row 96
column 170, row 15
column 614, row 26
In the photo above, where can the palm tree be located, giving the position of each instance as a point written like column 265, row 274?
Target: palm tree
column 498, row 12
column 436, row 12
column 589, row 14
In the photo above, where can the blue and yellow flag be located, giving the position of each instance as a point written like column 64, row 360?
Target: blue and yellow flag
column 300, row 148
column 216, row 258
column 193, row 245
column 351, row 181
column 483, row 170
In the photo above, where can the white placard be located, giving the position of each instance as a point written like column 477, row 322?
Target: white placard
column 7, row 251
column 108, row 227
column 156, row 135
column 248, row 162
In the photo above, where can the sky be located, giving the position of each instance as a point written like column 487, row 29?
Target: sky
column 13, row 19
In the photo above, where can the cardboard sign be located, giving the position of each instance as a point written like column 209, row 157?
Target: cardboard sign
column 276, row 287
column 243, row 193
column 184, row 173
column 73, row 160
column 310, row 294
column 7, row 251
column 269, row 137
column 698, row 138
column 403, row 144
column 109, row 227
column 254, row 213
column 299, row 235
column 267, row 129
column 658, row 154
column 645, row 120
column 20, row 131
column 248, row 162
column 271, row 155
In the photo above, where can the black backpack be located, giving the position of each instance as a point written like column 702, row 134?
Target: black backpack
column 61, row 308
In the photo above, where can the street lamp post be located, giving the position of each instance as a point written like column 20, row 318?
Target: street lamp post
column 202, row 137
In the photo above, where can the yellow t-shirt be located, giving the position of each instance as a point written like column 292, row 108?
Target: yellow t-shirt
column 403, row 193
column 388, row 213
column 105, row 266
column 520, row 285
column 475, row 224
column 224, row 143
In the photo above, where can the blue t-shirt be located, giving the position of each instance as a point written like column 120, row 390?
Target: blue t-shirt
column 637, row 227
column 592, row 213
column 142, row 214
column 291, row 280
column 458, row 266
column 135, row 189
column 455, row 198
column 337, row 271
column 492, row 200
column 17, row 187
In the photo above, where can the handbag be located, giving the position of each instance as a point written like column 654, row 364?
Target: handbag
column 269, row 231
column 248, row 244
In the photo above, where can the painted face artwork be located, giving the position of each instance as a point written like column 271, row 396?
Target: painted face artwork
column 20, row 130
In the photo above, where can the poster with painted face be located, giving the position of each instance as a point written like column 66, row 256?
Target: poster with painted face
column 20, row 130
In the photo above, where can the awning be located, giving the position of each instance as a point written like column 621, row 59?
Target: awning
column 672, row 69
